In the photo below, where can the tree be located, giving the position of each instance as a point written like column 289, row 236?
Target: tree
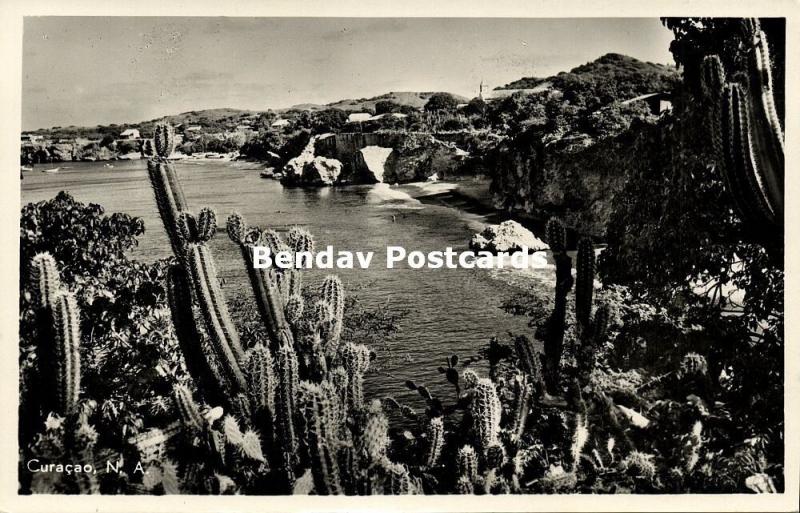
column 386, row 107
column 441, row 102
column 475, row 107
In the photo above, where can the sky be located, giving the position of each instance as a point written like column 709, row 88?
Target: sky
column 85, row 71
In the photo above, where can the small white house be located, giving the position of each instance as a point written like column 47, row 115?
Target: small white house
column 359, row 117
column 279, row 123
column 130, row 133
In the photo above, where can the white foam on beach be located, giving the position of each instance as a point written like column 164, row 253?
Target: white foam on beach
column 384, row 193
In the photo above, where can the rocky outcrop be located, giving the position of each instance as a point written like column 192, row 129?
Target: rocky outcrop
column 509, row 236
column 310, row 169
column 321, row 171
column 576, row 182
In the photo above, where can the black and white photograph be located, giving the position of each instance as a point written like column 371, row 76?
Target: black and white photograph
column 398, row 255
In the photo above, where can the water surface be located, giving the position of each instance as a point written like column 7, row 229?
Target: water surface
column 449, row 310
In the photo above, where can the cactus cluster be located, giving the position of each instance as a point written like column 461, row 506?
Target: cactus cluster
column 301, row 387
column 745, row 131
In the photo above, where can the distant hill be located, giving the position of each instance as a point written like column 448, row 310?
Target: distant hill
column 621, row 69
column 410, row 98
column 202, row 117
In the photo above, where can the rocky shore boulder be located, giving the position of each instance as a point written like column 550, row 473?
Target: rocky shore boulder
column 321, row 171
column 509, row 236
column 308, row 169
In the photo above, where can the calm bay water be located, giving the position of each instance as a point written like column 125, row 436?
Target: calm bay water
column 449, row 310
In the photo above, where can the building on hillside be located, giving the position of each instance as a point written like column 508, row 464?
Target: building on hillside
column 32, row 138
column 659, row 103
column 359, row 117
column 279, row 123
column 130, row 134
column 396, row 115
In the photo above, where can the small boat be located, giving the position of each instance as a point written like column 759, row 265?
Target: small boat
column 108, row 165
column 266, row 174
column 51, row 170
column 26, row 168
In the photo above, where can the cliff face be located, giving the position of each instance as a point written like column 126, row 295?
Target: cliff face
column 577, row 183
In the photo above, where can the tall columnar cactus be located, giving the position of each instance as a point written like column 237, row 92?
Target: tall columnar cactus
column 584, row 283
column 556, row 324
column 170, row 200
column 355, row 359
column 261, row 381
column 319, row 420
column 46, row 284
column 486, row 410
column 333, row 295
column 285, row 408
column 179, row 298
column 45, row 278
column 435, row 439
column 747, row 125
column 66, row 319
column 219, row 325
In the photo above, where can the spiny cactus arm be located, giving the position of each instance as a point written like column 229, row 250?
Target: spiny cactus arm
column 522, row 401
column 486, row 410
column 467, row 463
column 584, row 283
column 206, row 224
column 767, row 127
column 435, row 436
column 179, row 298
column 66, row 319
column 556, row 235
column 164, row 138
column 45, row 279
column 219, row 325
column 355, row 359
column 285, row 397
column 375, row 437
column 188, row 409
column 261, row 379
column 333, row 295
column 268, row 296
column 743, row 176
column 169, row 200
column 321, row 441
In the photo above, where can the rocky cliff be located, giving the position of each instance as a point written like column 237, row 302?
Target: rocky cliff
column 577, row 182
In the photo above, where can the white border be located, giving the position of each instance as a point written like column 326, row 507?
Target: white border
column 10, row 127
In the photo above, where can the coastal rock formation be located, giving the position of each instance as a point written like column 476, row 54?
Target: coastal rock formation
column 371, row 160
column 321, row 171
column 508, row 236
column 309, row 169
column 578, row 182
